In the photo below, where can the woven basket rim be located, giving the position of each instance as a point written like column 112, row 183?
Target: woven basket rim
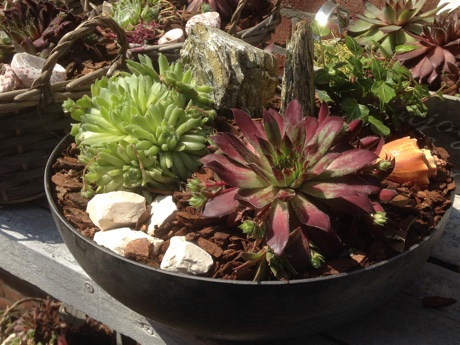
column 44, row 92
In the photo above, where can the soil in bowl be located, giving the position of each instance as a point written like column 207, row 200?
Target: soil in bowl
column 412, row 215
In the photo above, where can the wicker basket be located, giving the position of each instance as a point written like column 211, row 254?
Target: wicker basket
column 255, row 35
column 33, row 121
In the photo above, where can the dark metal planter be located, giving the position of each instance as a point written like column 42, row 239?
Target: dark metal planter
column 240, row 310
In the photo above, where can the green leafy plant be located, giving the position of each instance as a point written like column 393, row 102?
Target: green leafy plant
column 391, row 25
column 361, row 84
column 433, row 57
column 142, row 129
column 291, row 178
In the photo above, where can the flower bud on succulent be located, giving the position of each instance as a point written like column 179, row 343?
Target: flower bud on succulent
column 380, row 218
column 135, row 131
column 253, row 229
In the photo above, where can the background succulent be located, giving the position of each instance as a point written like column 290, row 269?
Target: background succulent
column 146, row 20
column 291, row 178
column 142, row 129
column 434, row 57
column 392, row 24
column 35, row 27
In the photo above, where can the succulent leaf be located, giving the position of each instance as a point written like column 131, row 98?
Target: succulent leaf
column 240, row 176
column 278, row 226
column 221, row 204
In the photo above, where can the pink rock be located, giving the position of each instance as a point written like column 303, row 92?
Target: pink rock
column 29, row 67
column 7, row 79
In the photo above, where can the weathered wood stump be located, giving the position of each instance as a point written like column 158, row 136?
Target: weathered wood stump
column 243, row 76
column 299, row 78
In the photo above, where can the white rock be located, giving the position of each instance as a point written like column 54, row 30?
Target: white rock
column 117, row 239
column 207, row 18
column 29, row 67
column 172, row 36
column 186, row 257
column 107, row 8
column 116, row 209
column 10, row 339
column 162, row 207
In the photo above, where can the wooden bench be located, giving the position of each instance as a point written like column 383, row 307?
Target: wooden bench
column 32, row 249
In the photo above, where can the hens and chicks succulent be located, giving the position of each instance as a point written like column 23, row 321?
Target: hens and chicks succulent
column 142, row 129
column 427, row 42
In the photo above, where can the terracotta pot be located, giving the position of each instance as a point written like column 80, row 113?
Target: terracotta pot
column 240, row 310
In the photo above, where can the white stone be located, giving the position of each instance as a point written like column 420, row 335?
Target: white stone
column 107, row 8
column 185, row 257
column 207, row 18
column 162, row 207
column 10, row 339
column 117, row 239
column 172, row 36
column 116, row 209
column 28, row 67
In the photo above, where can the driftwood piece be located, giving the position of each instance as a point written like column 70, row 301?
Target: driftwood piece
column 298, row 79
column 243, row 76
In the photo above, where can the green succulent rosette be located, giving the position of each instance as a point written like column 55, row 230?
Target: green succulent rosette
column 142, row 130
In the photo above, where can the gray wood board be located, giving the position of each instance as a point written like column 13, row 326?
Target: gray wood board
column 31, row 249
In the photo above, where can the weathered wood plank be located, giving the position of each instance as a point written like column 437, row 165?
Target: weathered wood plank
column 31, row 249
column 448, row 249
column 404, row 320
column 298, row 80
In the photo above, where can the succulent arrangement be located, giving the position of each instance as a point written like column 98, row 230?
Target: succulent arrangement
column 142, row 130
column 391, row 25
column 41, row 325
column 289, row 178
column 300, row 188
column 434, row 57
column 361, row 84
column 35, row 27
column 38, row 321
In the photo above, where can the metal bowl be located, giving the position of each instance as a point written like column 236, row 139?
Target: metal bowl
column 240, row 310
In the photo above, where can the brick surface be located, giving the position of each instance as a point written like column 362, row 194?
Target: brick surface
column 13, row 289
column 282, row 32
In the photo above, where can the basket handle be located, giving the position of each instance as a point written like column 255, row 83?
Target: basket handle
column 68, row 40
